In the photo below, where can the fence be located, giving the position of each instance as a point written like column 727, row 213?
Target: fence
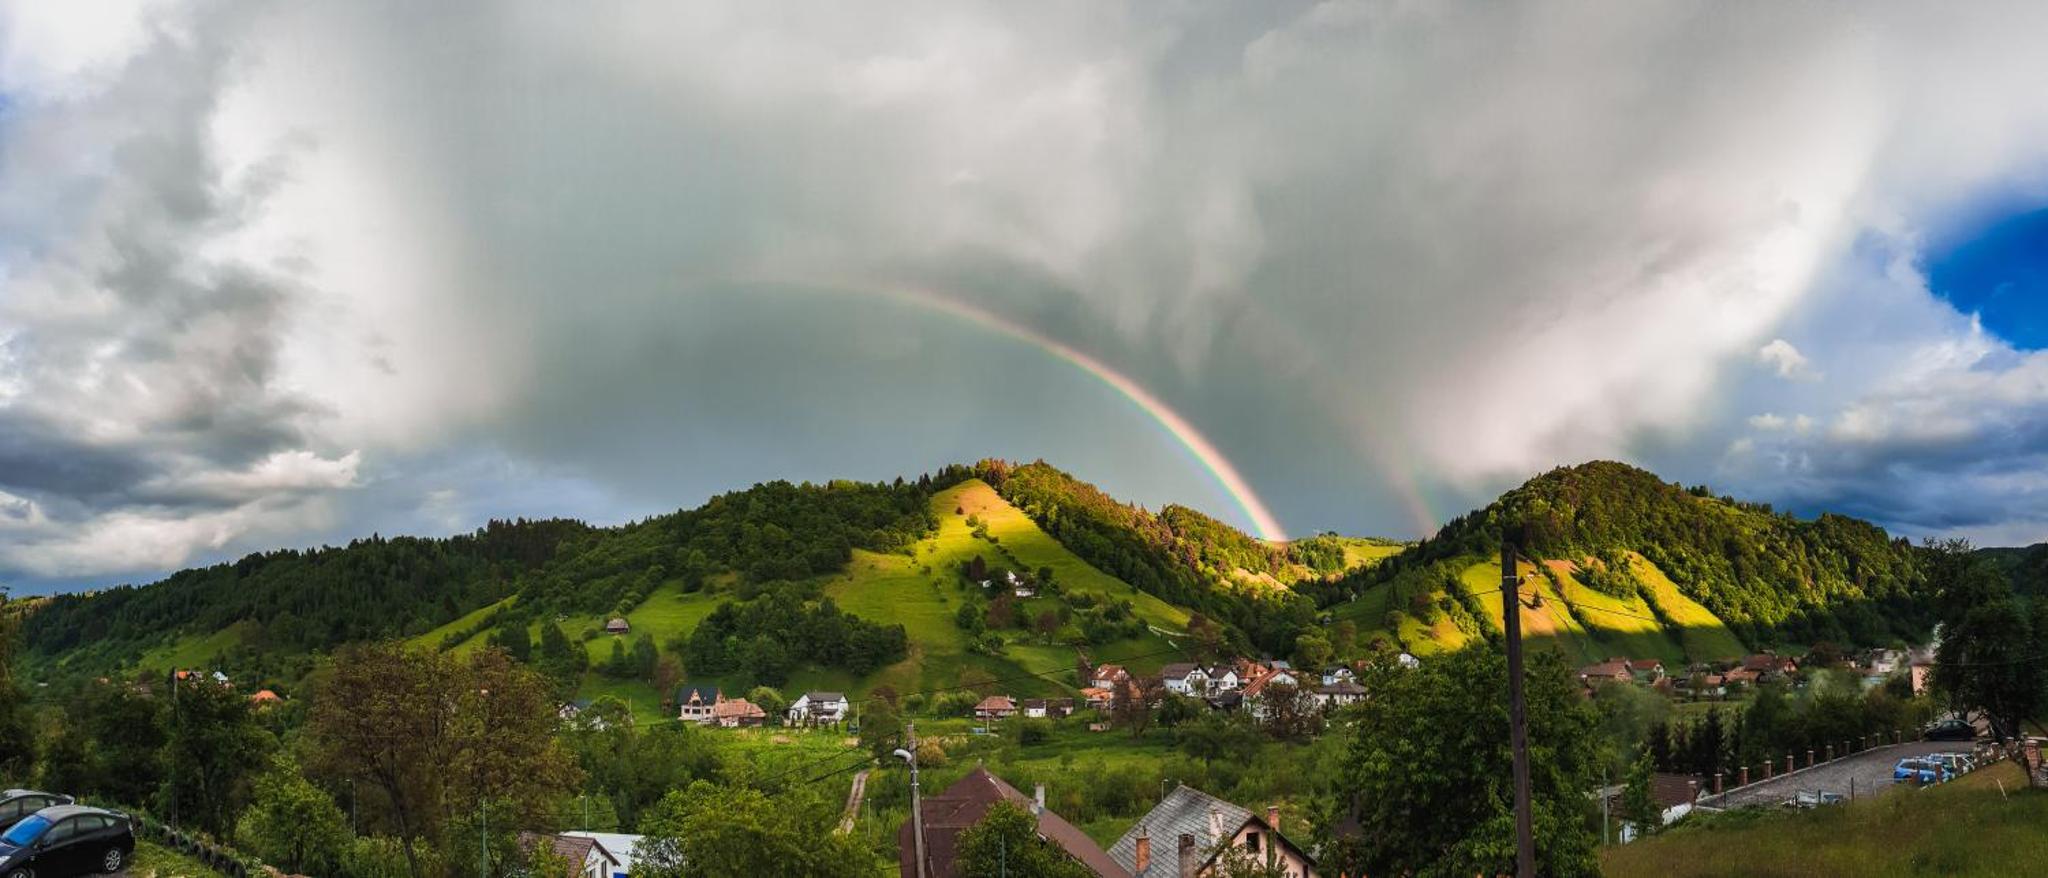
column 213, row 855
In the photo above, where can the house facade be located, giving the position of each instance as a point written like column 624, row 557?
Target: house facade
column 962, row 805
column 1107, row 677
column 818, row 707
column 582, row 856
column 1190, row 833
column 1181, row 678
column 696, row 704
column 738, row 713
column 996, row 707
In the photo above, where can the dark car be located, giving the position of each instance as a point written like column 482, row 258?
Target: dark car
column 17, row 804
column 66, row 840
column 1950, row 729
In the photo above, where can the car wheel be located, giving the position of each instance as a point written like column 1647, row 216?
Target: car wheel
column 112, row 861
column 21, row 873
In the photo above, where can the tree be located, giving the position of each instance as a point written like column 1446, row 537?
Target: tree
column 1990, row 662
column 645, row 657
column 1637, row 807
column 292, row 824
column 1048, row 624
column 1426, row 772
column 512, row 638
column 1232, row 861
column 710, row 830
column 212, row 752
column 769, row 700
column 881, row 728
column 1130, row 704
column 1005, row 841
column 1312, row 651
column 437, row 736
column 15, row 754
column 668, row 674
column 1344, row 638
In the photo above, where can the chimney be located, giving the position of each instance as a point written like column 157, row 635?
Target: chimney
column 1189, row 862
column 1038, row 800
column 1144, row 850
column 1215, row 824
column 1273, row 817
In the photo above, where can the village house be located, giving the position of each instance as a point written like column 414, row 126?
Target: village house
column 996, row 707
column 963, row 804
column 1674, row 795
column 1741, row 677
column 265, row 698
column 738, row 713
column 1041, row 708
column 1223, row 678
column 817, row 707
column 1770, row 665
column 572, row 709
column 1107, row 676
column 622, row 846
column 694, row 704
column 1096, row 698
column 1885, row 661
column 584, row 857
column 1258, row 694
column 1338, row 674
column 1610, row 671
column 1339, row 694
column 618, row 625
column 1182, row 678
column 1647, row 671
column 1187, row 833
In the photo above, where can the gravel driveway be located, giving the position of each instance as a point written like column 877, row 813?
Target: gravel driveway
column 1870, row 770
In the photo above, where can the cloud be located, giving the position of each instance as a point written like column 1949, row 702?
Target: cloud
column 1786, row 361
column 324, row 258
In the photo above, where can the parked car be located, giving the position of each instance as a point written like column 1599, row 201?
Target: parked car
column 65, row 840
column 18, row 804
column 1815, row 799
column 1921, row 771
column 1957, row 763
column 1951, row 729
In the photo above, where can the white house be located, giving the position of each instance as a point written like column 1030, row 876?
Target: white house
column 1182, row 678
column 1340, row 693
column 621, row 846
column 695, row 704
column 1674, row 793
column 1338, row 674
column 1107, row 677
column 586, row 857
column 1223, row 678
column 818, row 707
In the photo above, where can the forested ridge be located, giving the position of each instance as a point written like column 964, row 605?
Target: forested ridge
column 1769, row 576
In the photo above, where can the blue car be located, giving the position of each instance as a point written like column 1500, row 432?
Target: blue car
column 1920, row 771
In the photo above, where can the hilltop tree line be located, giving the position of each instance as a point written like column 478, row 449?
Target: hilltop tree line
column 1771, row 577
column 1179, row 555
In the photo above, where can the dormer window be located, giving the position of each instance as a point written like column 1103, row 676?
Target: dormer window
column 1251, row 842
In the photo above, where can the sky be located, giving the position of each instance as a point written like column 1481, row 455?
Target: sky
column 282, row 274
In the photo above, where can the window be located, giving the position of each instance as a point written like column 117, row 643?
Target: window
column 11, row 810
column 21, row 834
column 1251, row 842
column 62, row 831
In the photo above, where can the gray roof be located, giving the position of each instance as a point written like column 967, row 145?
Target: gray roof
column 824, row 696
column 1178, row 670
column 1183, row 811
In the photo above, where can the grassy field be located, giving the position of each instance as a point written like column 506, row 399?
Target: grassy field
column 192, row 651
column 1585, row 626
column 1367, row 551
column 1965, row 828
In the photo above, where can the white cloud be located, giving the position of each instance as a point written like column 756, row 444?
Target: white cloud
column 1786, row 361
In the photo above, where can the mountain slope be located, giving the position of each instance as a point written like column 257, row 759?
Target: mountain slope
column 1646, row 568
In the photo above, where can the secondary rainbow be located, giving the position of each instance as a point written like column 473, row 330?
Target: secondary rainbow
column 1205, row 452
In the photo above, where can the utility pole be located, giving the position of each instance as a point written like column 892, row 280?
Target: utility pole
column 1518, row 720
column 909, row 754
column 487, row 840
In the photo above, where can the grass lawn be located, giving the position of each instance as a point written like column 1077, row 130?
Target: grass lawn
column 1965, row 828
column 152, row 861
column 192, row 651
column 1617, row 626
column 1367, row 551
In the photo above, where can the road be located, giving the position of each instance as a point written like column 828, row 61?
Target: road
column 1870, row 771
column 853, row 797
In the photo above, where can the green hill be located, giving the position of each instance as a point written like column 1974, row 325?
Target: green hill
column 1630, row 565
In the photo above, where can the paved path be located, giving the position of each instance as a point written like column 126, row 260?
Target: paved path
column 853, row 797
column 1870, row 771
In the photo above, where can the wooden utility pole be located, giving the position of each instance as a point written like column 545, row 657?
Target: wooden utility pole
column 916, row 799
column 1518, row 720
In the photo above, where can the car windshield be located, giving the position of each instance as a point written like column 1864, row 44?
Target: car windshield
column 26, row 831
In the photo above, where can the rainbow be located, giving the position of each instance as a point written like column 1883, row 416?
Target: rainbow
column 1205, row 452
